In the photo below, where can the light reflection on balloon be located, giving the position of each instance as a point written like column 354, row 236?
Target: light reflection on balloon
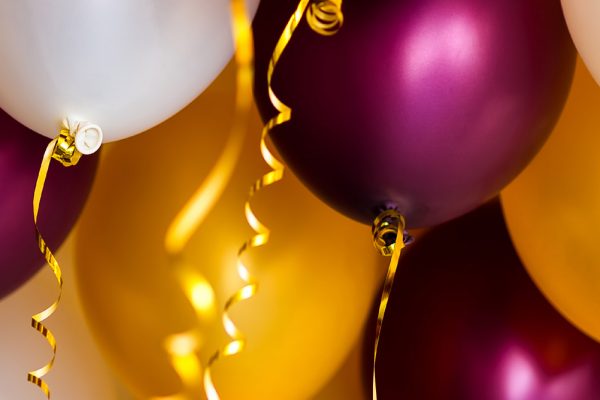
column 553, row 210
column 442, row 45
column 522, row 378
column 431, row 106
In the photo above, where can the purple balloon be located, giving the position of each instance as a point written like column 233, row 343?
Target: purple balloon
column 65, row 192
column 465, row 322
column 429, row 106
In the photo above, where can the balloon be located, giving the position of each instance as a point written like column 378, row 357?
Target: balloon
column 317, row 275
column 465, row 322
column 66, row 190
column 79, row 371
column 347, row 384
column 553, row 210
column 428, row 106
column 123, row 65
column 582, row 19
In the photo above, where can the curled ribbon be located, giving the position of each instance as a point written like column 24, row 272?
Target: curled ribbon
column 183, row 347
column 325, row 18
column 389, row 238
column 244, row 58
column 63, row 150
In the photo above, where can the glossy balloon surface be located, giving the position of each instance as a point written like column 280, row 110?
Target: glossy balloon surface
column 553, row 209
column 431, row 106
column 123, row 65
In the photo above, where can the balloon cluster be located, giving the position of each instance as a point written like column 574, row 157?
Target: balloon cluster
column 401, row 114
column 288, row 325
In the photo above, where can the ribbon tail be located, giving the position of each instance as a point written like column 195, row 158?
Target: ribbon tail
column 63, row 150
column 385, row 295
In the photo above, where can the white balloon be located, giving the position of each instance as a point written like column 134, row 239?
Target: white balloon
column 583, row 19
column 122, row 65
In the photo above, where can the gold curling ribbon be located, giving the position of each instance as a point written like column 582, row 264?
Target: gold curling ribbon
column 389, row 238
column 183, row 347
column 63, row 150
column 325, row 18
column 244, row 57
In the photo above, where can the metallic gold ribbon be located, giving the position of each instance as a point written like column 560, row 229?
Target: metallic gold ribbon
column 183, row 347
column 324, row 17
column 63, row 150
column 389, row 238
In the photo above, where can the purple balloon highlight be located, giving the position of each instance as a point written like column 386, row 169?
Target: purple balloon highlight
column 65, row 192
column 431, row 106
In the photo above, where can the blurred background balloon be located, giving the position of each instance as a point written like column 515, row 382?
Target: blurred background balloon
column 465, row 322
column 66, row 190
column 582, row 18
column 124, row 65
column 427, row 105
column 79, row 372
column 348, row 382
column 553, row 210
column 317, row 275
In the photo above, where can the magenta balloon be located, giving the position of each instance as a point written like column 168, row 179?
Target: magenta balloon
column 21, row 152
column 465, row 322
column 431, row 106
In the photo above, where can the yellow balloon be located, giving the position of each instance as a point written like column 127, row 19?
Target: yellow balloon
column 553, row 210
column 350, row 382
column 318, row 274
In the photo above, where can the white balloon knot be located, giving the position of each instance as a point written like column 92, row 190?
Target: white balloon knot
column 88, row 136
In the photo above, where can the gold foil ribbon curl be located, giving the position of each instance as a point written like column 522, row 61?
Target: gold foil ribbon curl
column 389, row 238
column 63, row 150
column 183, row 347
column 324, row 17
column 326, row 20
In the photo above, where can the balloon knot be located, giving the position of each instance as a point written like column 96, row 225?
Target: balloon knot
column 65, row 150
column 385, row 231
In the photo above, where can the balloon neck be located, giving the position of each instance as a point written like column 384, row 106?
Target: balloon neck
column 87, row 136
column 386, row 227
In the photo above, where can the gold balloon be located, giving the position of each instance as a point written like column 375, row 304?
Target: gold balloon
column 350, row 381
column 553, row 210
column 318, row 274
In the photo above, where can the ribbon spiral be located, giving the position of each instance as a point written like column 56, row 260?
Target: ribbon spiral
column 183, row 347
column 63, row 150
column 325, row 18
